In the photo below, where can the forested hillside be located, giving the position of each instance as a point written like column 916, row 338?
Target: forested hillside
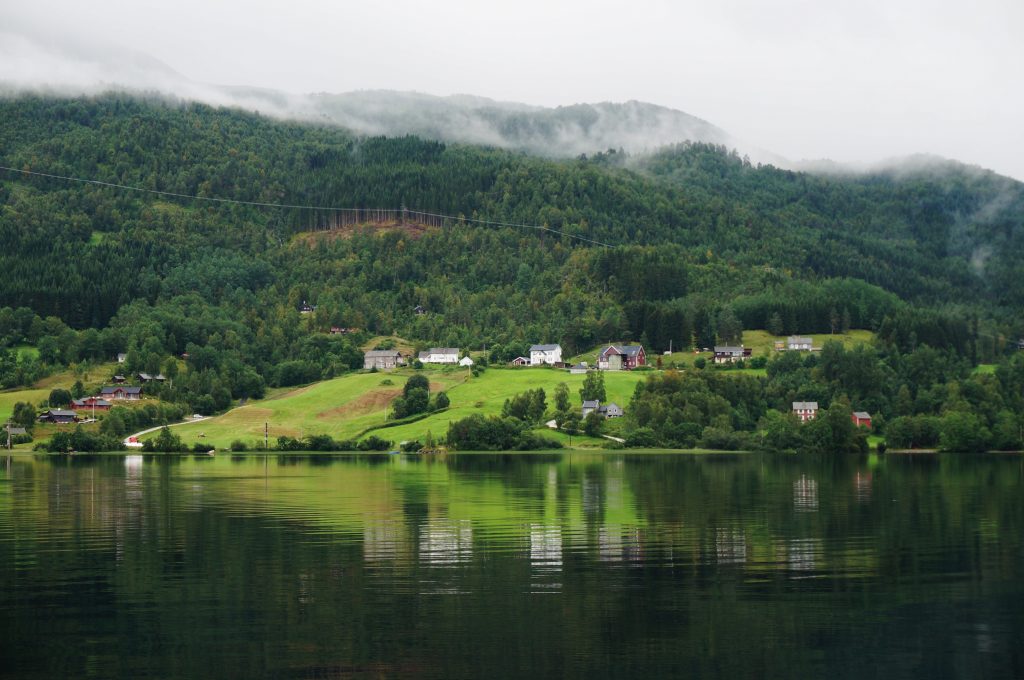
column 697, row 239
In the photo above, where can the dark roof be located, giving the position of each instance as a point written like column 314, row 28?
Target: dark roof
column 628, row 350
column 59, row 413
column 591, row 403
column 863, row 415
column 128, row 389
column 16, row 430
column 544, row 348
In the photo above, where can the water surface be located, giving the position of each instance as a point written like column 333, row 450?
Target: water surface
column 546, row 565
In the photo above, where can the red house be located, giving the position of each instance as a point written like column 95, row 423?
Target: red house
column 861, row 419
column 90, row 404
column 121, row 392
column 520, row 361
column 621, row 357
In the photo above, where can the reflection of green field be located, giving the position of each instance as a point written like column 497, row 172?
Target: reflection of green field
column 346, row 406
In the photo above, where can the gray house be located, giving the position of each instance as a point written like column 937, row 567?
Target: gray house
column 796, row 343
column 611, row 410
column 56, row 415
column 382, row 359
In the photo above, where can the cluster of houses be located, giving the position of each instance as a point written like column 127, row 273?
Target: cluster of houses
column 104, row 401
column 610, row 358
column 387, row 359
column 808, row 410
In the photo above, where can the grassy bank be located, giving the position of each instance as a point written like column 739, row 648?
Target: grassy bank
column 345, row 407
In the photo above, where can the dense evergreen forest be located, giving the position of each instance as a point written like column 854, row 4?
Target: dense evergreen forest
column 698, row 239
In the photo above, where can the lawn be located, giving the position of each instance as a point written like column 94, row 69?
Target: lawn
column 9, row 399
column 345, row 407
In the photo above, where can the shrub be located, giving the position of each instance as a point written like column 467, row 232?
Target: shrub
column 374, row 443
column 642, row 437
column 238, row 445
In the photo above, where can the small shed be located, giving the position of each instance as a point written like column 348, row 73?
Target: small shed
column 465, row 361
column 520, row 361
column 861, row 419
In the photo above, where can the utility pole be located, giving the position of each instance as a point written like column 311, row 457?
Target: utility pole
column 266, row 435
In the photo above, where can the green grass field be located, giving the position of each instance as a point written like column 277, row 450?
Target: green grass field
column 9, row 399
column 344, row 407
column 27, row 351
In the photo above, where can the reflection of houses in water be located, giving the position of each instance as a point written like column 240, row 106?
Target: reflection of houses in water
column 444, row 542
column 616, row 543
column 862, row 486
column 591, row 490
column 730, row 546
column 802, row 553
column 805, row 495
column 545, row 547
column 385, row 541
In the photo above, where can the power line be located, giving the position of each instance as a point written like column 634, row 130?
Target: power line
column 259, row 204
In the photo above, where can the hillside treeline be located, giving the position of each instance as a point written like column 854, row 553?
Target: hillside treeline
column 702, row 245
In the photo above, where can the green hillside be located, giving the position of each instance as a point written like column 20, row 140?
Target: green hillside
column 345, row 407
column 210, row 273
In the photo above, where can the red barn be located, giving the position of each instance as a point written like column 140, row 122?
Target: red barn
column 861, row 419
column 621, row 357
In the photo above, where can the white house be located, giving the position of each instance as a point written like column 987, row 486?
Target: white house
column 798, row 344
column 465, row 361
column 545, row 354
column 727, row 354
column 589, row 406
column 440, row 355
column 805, row 410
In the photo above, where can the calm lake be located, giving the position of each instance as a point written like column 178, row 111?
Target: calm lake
column 490, row 566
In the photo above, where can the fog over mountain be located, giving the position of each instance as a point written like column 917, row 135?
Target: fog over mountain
column 70, row 69
column 32, row 62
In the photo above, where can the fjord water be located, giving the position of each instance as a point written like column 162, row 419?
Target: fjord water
column 546, row 565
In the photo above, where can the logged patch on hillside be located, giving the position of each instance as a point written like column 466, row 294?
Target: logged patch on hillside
column 333, row 233
column 367, row 403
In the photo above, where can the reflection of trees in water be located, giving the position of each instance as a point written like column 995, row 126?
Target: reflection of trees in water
column 862, row 486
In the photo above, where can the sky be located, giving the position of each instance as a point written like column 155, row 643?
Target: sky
column 849, row 81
